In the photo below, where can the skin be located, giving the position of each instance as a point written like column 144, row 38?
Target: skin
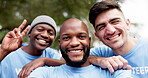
column 13, row 40
column 112, row 28
column 74, row 41
column 41, row 37
column 38, row 36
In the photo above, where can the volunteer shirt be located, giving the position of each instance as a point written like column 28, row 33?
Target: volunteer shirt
column 137, row 57
column 12, row 64
column 65, row 71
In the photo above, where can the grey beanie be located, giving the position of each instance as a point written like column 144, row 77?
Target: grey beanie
column 43, row 19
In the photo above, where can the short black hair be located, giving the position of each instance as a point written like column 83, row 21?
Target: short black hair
column 100, row 7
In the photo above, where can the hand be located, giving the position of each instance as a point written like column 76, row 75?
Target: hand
column 27, row 69
column 113, row 63
column 13, row 39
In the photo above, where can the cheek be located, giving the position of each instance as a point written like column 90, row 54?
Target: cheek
column 100, row 34
column 52, row 38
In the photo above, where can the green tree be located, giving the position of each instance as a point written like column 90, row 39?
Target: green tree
column 12, row 12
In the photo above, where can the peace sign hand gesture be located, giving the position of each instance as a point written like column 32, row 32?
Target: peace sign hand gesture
column 13, row 40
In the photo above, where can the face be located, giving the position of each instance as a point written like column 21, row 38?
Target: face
column 74, row 42
column 42, row 36
column 112, row 28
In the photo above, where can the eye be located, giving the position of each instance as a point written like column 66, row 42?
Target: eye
column 51, row 33
column 82, row 37
column 65, row 38
column 40, row 29
column 101, row 27
column 114, row 22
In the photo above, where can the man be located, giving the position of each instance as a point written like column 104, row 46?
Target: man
column 75, row 46
column 42, row 33
column 112, row 28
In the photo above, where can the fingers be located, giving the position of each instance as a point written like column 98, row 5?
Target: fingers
column 117, row 62
column 25, row 31
column 110, row 67
column 26, row 70
column 128, row 67
column 120, row 61
column 113, row 63
column 22, row 25
column 124, row 61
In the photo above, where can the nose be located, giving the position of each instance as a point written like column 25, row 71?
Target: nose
column 110, row 29
column 45, row 34
column 74, row 42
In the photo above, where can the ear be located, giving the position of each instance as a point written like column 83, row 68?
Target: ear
column 89, row 39
column 96, row 34
column 29, row 35
column 128, row 24
column 59, row 41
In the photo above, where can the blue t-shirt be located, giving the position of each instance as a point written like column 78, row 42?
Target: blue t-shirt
column 12, row 64
column 137, row 57
column 65, row 71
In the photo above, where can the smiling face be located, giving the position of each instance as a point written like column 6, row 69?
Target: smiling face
column 42, row 36
column 112, row 28
column 74, row 42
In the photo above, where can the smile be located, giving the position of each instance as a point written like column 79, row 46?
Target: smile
column 74, row 51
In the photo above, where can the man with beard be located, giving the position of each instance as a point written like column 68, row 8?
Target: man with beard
column 75, row 46
column 42, row 33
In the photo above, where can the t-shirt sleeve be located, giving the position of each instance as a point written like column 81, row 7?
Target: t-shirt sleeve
column 123, row 74
column 52, row 53
column 40, row 72
column 102, row 51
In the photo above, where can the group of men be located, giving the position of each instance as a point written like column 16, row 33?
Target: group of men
column 111, row 27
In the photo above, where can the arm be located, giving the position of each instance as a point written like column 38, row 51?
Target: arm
column 12, row 40
column 37, row 63
column 112, row 63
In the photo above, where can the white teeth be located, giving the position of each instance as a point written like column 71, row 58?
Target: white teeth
column 75, row 51
column 43, row 41
column 113, row 37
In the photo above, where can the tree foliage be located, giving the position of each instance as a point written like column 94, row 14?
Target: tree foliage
column 13, row 12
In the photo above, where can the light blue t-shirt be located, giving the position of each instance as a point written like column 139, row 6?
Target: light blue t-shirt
column 12, row 64
column 136, row 57
column 65, row 71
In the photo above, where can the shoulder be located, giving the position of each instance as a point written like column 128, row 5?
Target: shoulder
column 101, row 48
column 123, row 74
column 44, row 72
column 51, row 50
column 101, row 51
column 14, row 54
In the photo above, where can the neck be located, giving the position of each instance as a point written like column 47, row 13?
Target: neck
column 130, row 43
column 32, row 50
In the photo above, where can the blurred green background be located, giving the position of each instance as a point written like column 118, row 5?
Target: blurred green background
column 13, row 12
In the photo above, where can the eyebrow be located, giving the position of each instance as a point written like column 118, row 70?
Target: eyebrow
column 113, row 19
column 104, row 23
column 99, row 25
column 69, row 34
column 64, row 34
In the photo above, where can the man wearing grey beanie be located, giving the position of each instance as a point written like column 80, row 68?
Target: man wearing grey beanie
column 42, row 34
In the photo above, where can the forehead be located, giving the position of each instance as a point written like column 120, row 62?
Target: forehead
column 109, row 14
column 73, row 28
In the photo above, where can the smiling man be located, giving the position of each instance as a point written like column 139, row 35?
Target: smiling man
column 112, row 28
column 42, row 33
column 75, row 47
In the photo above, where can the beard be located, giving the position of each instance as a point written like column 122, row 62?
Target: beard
column 76, row 63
